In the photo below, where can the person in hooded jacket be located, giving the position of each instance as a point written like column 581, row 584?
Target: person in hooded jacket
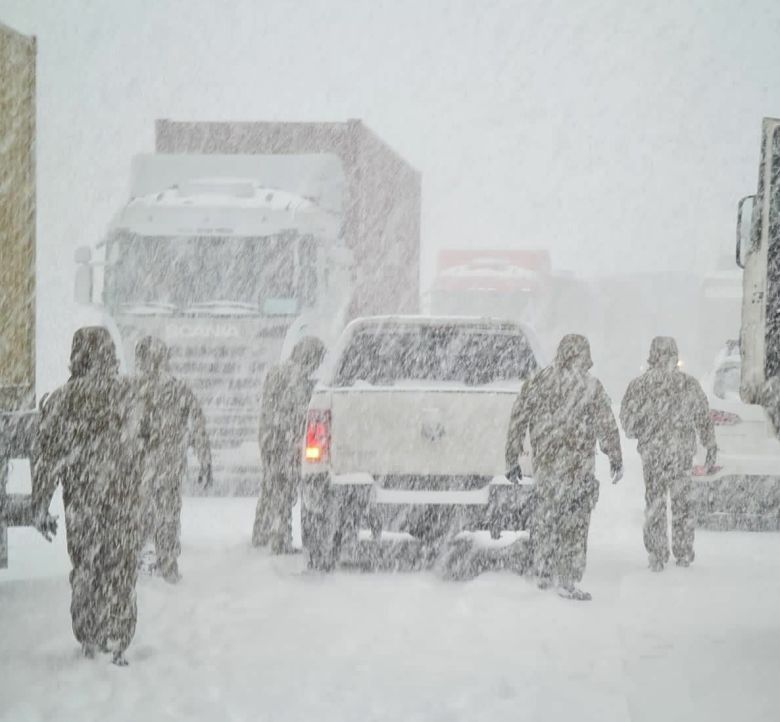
column 287, row 391
column 174, row 422
column 567, row 412
column 665, row 409
column 89, row 443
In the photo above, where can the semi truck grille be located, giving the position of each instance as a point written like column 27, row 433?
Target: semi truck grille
column 228, row 382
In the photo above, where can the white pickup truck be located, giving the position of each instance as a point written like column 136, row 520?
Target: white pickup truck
column 406, row 431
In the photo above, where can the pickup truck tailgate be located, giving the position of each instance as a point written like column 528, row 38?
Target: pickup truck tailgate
column 399, row 430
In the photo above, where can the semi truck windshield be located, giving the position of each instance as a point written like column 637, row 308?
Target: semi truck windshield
column 262, row 274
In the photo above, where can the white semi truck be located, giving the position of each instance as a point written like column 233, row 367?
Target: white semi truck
column 240, row 238
column 745, row 494
column 758, row 253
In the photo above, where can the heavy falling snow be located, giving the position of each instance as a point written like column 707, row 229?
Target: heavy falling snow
column 249, row 636
column 389, row 361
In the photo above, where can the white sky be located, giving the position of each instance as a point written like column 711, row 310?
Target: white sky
column 618, row 133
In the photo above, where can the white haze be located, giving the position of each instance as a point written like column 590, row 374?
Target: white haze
column 617, row 134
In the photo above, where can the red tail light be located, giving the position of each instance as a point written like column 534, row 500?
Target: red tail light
column 724, row 418
column 701, row 470
column 317, row 447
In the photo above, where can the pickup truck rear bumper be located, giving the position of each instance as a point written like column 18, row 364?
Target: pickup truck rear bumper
column 497, row 506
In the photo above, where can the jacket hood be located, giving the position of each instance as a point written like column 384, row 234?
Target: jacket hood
column 663, row 352
column 151, row 356
column 574, row 353
column 93, row 351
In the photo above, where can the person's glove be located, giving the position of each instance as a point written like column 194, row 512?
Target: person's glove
column 514, row 474
column 616, row 472
column 206, row 477
column 712, row 459
column 46, row 524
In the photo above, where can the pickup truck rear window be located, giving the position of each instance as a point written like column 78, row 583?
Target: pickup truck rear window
column 435, row 353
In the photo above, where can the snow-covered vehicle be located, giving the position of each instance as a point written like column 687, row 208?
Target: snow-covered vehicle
column 239, row 239
column 18, row 418
column 745, row 491
column 406, row 431
column 758, row 254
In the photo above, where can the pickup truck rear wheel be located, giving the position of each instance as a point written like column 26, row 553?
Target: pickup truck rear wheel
column 317, row 539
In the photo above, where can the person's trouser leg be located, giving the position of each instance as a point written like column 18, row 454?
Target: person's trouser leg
column 683, row 523
column 655, row 527
column 147, row 517
column 167, row 538
column 85, row 600
column 543, row 534
column 86, row 604
column 283, row 496
column 119, row 581
column 261, row 529
column 573, row 546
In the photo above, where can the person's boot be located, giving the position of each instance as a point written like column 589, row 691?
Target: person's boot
column 88, row 649
column 171, row 573
column 544, row 582
column 260, row 538
column 567, row 590
column 119, row 659
column 281, row 544
column 277, row 547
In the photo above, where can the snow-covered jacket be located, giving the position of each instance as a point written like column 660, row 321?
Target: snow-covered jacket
column 88, row 442
column 173, row 419
column 567, row 412
column 287, row 391
column 665, row 409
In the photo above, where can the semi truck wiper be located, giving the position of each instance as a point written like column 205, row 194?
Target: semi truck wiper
column 223, row 306
column 148, row 307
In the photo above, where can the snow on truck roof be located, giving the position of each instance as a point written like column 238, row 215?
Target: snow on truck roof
column 236, row 195
column 225, row 192
column 316, row 177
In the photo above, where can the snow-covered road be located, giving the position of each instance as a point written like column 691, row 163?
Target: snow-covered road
column 246, row 636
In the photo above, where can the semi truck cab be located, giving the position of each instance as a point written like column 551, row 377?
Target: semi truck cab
column 229, row 270
column 758, row 254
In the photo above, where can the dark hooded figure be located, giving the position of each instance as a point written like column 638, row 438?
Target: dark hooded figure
column 664, row 409
column 174, row 422
column 287, row 392
column 88, row 442
column 566, row 412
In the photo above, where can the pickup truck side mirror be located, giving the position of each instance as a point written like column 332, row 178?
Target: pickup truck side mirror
column 83, row 281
